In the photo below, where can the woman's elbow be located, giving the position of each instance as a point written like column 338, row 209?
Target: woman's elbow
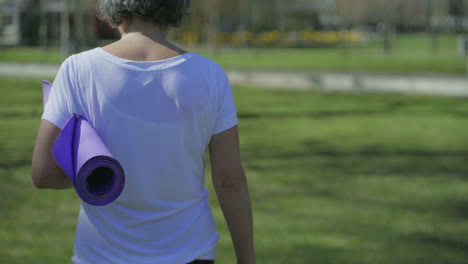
column 39, row 185
column 50, row 177
column 41, row 175
column 230, row 182
column 38, row 180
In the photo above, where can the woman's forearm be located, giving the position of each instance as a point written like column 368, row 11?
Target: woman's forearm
column 45, row 172
column 236, row 206
column 230, row 183
column 52, row 178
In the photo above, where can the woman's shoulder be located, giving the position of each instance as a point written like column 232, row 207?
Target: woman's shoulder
column 207, row 63
column 80, row 58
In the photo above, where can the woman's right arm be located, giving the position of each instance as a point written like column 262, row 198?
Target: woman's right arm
column 46, row 173
column 230, row 184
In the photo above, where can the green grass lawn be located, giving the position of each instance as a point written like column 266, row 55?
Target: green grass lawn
column 337, row 178
column 34, row 55
column 412, row 54
column 333, row 59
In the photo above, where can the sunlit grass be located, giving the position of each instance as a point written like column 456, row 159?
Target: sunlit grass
column 32, row 54
column 334, row 178
column 411, row 54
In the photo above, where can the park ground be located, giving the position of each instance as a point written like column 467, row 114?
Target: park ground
column 410, row 54
column 337, row 178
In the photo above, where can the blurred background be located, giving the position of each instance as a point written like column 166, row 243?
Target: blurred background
column 353, row 122
column 435, row 27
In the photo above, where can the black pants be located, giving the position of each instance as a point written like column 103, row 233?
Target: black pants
column 202, row 262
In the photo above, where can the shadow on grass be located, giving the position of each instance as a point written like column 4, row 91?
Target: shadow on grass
column 458, row 208
column 23, row 115
column 365, row 160
column 344, row 113
column 330, row 105
column 317, row 115
column 13, row 189
column 452, row 244
column 303, row 254
column 14, row 165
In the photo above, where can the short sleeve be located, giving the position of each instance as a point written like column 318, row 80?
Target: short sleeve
column 59, row 108
column 227, row 115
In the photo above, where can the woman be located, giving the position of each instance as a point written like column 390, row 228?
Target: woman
column 158, row 108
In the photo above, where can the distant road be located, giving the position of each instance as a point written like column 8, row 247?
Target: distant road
column 430, row 84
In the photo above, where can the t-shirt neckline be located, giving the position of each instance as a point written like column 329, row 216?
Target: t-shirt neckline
column 145, row 64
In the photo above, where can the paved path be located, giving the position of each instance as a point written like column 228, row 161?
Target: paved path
column 28, row 70
column 431, row 84
column 448, row 85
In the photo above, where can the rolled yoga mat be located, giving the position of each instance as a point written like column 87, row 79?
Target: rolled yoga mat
column 97, row 176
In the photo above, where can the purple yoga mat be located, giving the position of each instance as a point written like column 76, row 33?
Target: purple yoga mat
column 97, row 176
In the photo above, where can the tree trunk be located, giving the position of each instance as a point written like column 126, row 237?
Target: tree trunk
column 243, row 20
column 212, row 9
column 80, row 25
column 433, row 34
column 43, row 27
column 387, row 26
column 65, row 29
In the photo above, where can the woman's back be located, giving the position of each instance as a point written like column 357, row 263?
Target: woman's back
column 157, row 118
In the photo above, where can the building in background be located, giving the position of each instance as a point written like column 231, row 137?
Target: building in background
column 40, row 22
column 16, row 24
column 246, row 23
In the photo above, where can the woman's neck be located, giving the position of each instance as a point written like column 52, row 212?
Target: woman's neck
column 143, row 41
column 137, row 28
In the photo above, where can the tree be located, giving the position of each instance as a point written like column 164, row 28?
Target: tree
column 43, row 26
column 457, row 9
column 65, row 34
column 212, row 9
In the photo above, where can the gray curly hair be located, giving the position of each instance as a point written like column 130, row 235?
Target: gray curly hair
column 161, row 12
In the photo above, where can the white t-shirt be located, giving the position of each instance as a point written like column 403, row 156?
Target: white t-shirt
column 157, row 118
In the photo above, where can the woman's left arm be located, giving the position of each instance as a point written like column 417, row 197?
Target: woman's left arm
column 45, row 172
